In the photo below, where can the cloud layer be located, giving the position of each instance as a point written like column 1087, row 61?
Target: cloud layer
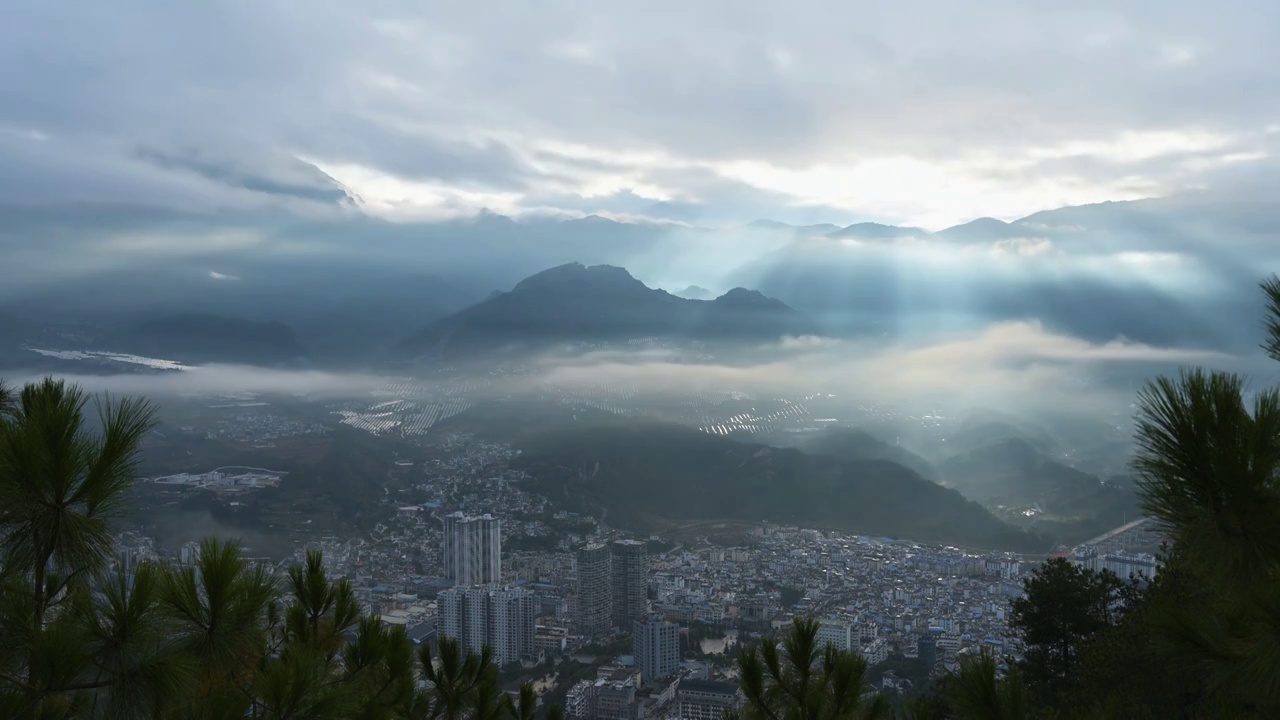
column 1016, row 366
column 922, row 111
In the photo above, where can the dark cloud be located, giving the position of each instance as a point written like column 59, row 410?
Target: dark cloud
column 288, row 177
column 921, row 111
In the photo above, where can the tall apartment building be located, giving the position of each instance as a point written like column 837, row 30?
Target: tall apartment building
column 472, row 549
column 656, row 646
column 628, row 564
column 595, row 594
column 504, row 619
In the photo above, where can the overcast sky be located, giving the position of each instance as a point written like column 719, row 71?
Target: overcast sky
column 925, row 112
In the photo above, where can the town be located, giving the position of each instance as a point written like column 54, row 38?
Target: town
column 612, row 625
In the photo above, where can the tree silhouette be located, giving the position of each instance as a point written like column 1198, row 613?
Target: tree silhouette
column 1064, row 607
column 978, row 693
column 60, row 485
column 1207, row 465
column 800, row 679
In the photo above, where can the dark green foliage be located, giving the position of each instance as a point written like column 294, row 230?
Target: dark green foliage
column 914, row 669
column 650, row 474
column 798, row 679
column 1203, row 640
column 1064, row 607
column 1015, row 472
column 856, row 444
column 977, row 692
column 1271, row 291
column 1208, row 467
column 219, row 639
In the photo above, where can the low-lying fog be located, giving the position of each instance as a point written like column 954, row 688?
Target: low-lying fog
column 1017, row 367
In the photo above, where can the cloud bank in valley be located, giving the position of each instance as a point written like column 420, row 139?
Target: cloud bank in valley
column 1017, row 364
column 218, row 379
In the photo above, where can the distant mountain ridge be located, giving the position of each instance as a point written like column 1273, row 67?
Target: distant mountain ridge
column 857, row 281
column 876, row 231
column 846, row 443
column 693, row 292
column 212, row 338
column 574, row 302
column 653, row 475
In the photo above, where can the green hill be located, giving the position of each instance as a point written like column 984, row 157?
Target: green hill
column 855, row 444
column 1067, row 504
column 648, row 474
column 212, row 338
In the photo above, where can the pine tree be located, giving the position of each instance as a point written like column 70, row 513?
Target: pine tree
column 800, row 679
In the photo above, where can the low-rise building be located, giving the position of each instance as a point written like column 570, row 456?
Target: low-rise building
column 706, row 699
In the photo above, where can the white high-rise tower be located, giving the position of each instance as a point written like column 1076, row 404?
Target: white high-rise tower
column 503, row 619
column 472, row 549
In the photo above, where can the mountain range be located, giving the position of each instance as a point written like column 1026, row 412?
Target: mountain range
column 212, row 338
column 648, row 475
column 1014, row 469
column 577, row 303
column 1163, row 272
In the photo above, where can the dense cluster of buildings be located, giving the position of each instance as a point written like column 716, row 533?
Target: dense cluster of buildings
column 226, row 479
column 612, row 585
column 259, row 429
column 500, row 618
column 477, row 611
column 468, row 553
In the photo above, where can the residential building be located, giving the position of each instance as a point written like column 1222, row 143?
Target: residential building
column 579, row 703
column 839, row 633
column 615, row 698
column 472, row 549
column 503, row 619
column 875, row 652
column 595, row 595
column 927, row 647
column 1130, row 564
column 628, row 566
column 706, row 699
column 612, row 696
column 656, row 646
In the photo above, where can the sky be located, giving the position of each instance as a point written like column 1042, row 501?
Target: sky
column 919, row 112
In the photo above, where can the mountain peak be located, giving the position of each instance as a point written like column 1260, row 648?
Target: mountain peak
column 743, row 298
column 491, row 219
column 982, row 223
column 981, row 229
column 766, row 224
column 694, row 292
column 575, row 276
column 876, row 231
column 593, row 220
column 578, row 303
